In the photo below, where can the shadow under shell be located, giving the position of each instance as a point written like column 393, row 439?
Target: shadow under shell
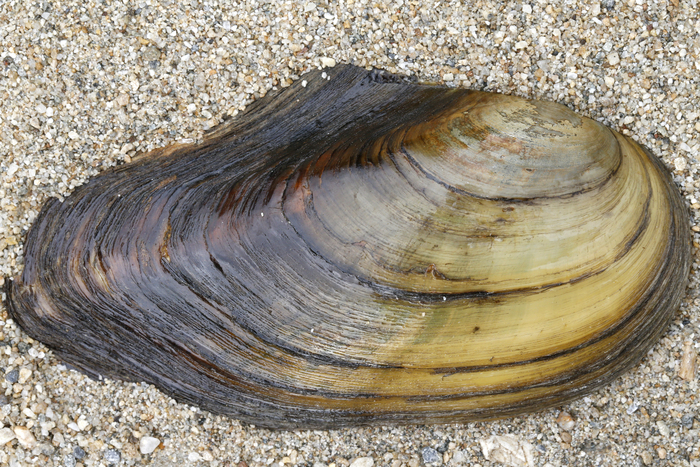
column 358, row 249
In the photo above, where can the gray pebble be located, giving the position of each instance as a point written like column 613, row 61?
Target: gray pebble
column 151, row 53
column 12, row 376
column 608, row 4
column 112, row 456
column 588, row 446
column 443, row 446
column 459, row 457
column 69, row 460
column 78, row 452
column 687, row 421
column 430, row 456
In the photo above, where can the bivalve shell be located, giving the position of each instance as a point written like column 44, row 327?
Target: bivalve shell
column 364, row 250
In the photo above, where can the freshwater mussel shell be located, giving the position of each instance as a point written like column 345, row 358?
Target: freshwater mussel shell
column 362, row 250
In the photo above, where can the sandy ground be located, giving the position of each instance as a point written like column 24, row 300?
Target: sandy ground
column 87, row 85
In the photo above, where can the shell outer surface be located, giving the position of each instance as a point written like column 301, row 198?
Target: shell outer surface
column 362, row 250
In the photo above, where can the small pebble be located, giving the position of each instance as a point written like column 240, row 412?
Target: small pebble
column 565, row 437
column 443, row 446
column 112, row 456
column 647, row 458
column 78, row 452
column 24, row 436
column 73, row 426
column 680, row 163
column 69, row 460
column 687, row 421
column 459, row 457
column 148, row 444
column 565, row 421
column 633, row 407
column 24, row 375
column 6, row 435
column 122, row 99
column 430, row 455
column 362, row 462
column 613, row 58
column 688, row 362
column 151, row 53
column 12, row 376
column 663, row 428
column 661, row 452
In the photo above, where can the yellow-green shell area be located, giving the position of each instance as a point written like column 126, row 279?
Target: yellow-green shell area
column 362, row 250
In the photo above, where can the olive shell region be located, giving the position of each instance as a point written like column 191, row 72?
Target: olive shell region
column 359, row 249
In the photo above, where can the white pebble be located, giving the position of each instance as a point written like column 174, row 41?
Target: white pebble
column 327, row 62
column 680, row 163
column 122, row 99
column 82, row 423
column 24, row 374
column 148, row 444
column 73, row 426
column 362, row 462
column 25, row 437
column 634, row 406
column 6, row 435
column 613, row 58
